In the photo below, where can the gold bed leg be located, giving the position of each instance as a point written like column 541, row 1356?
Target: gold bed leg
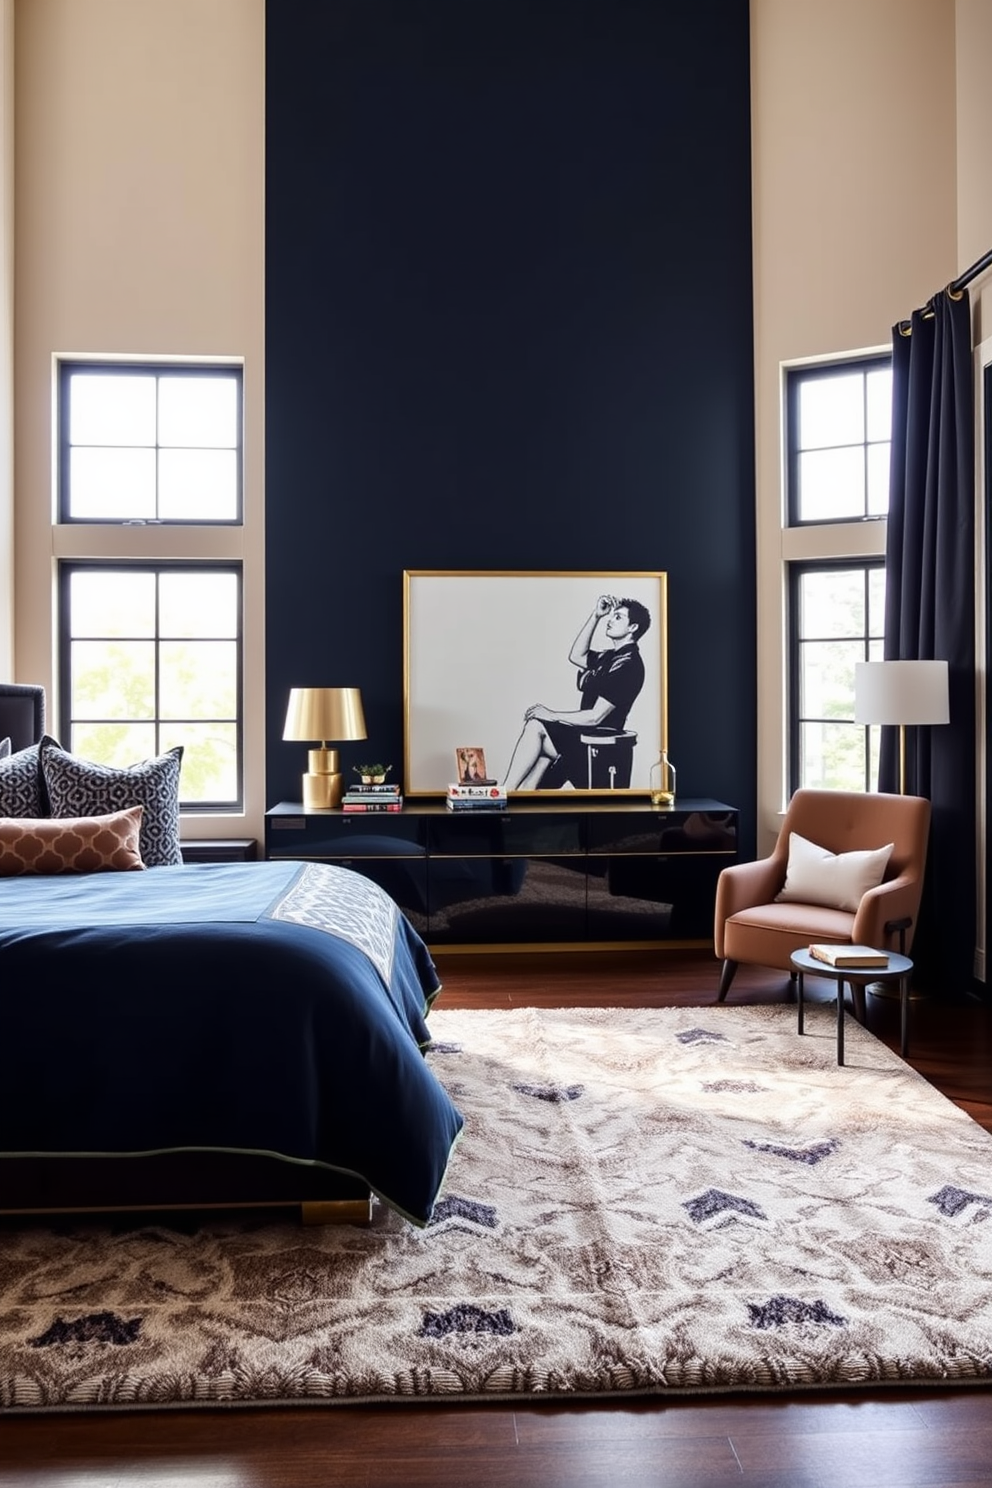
column 337, row 1211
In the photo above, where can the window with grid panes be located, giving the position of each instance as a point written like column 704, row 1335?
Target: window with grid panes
column 150, row 646
column 838, row 428
column 837, row 617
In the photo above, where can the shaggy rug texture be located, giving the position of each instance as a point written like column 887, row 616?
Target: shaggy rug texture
column 657, row 1201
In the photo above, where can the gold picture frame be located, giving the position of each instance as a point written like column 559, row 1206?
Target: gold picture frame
column 498, row 655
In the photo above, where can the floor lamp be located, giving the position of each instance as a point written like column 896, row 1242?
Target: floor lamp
column 901, row 693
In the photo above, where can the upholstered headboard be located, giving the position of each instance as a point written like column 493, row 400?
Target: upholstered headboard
column 22, row 713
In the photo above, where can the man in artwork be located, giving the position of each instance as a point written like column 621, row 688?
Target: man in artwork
column 549, row 752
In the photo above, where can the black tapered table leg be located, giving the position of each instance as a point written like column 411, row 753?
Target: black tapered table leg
column 904, row 1015
column 898, row 970
column 799, row 998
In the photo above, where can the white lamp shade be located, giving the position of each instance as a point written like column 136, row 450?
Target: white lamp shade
column 901, row 692
column 324, row 714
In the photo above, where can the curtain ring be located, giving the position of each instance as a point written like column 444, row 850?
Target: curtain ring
column 953, row 294
column 905, row 328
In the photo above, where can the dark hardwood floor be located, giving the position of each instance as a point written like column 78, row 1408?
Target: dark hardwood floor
column 881, row 1437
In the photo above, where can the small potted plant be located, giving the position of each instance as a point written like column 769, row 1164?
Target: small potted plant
column 372, row 774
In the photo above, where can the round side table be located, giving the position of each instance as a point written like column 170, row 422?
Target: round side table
column 898, row 970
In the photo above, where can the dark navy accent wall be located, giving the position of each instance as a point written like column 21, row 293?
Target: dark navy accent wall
column 508, row 326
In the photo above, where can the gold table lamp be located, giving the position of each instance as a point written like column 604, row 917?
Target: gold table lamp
column 324, row 713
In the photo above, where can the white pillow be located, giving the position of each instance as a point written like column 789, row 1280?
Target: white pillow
column 835, row 880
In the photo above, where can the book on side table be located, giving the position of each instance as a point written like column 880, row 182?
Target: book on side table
column 849, row 955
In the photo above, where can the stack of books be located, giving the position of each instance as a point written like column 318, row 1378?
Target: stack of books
column 484, row 795
column 372, row 798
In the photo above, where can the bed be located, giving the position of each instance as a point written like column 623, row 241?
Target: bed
column 214, row 1034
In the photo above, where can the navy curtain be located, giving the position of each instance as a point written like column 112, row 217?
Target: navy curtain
column 930, row 615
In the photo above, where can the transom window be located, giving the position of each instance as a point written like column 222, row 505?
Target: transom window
column 150, row 444
column 840, row 424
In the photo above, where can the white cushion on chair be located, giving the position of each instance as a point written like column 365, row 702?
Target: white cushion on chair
column 815, row 875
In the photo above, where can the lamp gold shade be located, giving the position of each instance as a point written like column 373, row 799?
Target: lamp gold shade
column 328, row 714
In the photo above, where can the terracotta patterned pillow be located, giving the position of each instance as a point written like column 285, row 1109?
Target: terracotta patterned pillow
column 82, row 844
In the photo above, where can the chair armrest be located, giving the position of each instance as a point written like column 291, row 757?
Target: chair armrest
column 897, row 899
column 742, row 886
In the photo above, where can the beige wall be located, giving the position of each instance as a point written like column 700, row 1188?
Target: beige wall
column 974, row 131
column 139, row 178
column 872, row 190
column 855, row 224
column 973, row 49
column 6, row 339
column 139, row 230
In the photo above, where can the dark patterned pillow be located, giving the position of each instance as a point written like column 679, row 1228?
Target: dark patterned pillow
column 4, row 749
column 78, row 787
column 20, row 784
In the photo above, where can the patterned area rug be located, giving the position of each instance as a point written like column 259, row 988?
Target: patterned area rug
column 658, row 1201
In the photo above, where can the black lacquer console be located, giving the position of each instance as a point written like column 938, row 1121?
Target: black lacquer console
column 538, row 873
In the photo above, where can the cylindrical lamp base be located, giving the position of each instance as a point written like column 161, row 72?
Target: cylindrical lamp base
column 322, row 792
column 323, row 784
column 323, row 761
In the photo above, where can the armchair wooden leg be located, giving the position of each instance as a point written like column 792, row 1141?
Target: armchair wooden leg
column 892, row 926
column 726, row 977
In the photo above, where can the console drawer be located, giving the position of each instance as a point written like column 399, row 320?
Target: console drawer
column 663, row 832
column 510, row 834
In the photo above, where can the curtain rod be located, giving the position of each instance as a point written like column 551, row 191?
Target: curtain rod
column 985, row 262
column 955, row 289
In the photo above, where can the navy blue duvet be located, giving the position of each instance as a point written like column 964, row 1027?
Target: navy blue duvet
column 267, row 1008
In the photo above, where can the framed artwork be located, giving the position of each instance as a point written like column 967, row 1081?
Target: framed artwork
column 564, row 675
column 470, row 765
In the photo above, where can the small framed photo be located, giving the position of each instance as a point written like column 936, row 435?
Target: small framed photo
column 470, row 765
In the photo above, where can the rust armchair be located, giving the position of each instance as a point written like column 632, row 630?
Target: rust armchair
column 754, row 926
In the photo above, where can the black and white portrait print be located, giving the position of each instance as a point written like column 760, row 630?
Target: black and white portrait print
column 560, row 746
column 563, row 675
